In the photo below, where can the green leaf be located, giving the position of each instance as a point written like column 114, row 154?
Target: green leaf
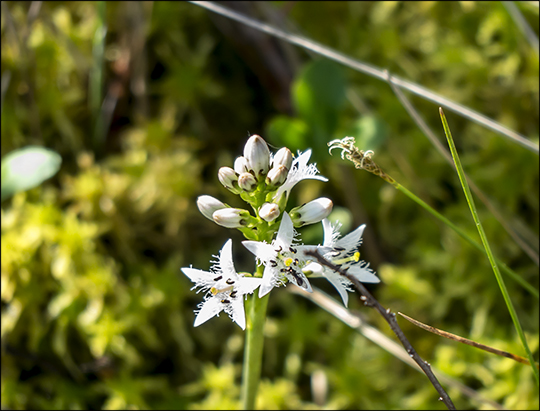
column 285, row 131
column 27, row 168
column 370, row 132
column 319, row 93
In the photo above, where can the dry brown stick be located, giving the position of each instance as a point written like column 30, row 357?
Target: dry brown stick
column 357, row 322
column 390, row 318
column 463, row 340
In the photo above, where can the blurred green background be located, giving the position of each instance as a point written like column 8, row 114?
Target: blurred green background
column 144, row 101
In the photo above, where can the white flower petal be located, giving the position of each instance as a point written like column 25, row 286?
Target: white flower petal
column 363, row 274
column 226, row 260
column 237, row 313
column 352, row 240
column 299, row 171
column 313, row 269
column 286, row 232
column 246, row 285
column 312, row 248
column 262, row 251
column 328, row 230
column 210, row 308
column 265, row 288
column 270, row 276
column 337, row 282
column 203, row 279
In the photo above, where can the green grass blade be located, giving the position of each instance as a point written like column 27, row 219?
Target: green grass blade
column 485, row 242
column 507, row 270
column 362, row 161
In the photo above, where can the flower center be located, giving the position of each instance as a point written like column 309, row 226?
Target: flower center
column 355, row 257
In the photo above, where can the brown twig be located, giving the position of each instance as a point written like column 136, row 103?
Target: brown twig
column 356, row 321
column 390, row 318
column 463, row 340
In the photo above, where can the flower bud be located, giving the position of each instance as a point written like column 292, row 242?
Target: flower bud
column 312, row 212
column 231, row 217
column 269, row 211
column 277, row 176
column 229, row 179
column 208, row 205
column 247, row 182
column 257, row 154
column 283, row 158
column 240, row 165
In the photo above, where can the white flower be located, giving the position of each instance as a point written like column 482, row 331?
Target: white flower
column 225, row 289
column 343, row 253
column 300, row 170
column 269, row 212
column 208, row 205
column 257, row 155
column 231, row 217
column 282, row 158
column 277, row 176
column 283, row 260
column 312, row 212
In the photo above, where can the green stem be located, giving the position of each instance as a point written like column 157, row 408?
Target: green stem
column 487, row 247
column 466, row 237
column 254, row 348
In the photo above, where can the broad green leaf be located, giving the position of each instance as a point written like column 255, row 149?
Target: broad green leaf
column 319, row 93
column 27, row 168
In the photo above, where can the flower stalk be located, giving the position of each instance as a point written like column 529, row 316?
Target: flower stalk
column 253, row 350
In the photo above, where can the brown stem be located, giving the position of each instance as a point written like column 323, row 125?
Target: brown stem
column 463, row 340
column 390, row 318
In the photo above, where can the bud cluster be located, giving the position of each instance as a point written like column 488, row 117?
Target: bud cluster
column 264, row 180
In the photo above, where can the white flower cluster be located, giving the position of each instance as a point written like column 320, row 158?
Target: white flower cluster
column 264, row 181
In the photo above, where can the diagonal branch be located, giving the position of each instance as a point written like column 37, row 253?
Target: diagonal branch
column 356, row 321
column 370, row 70
column 390, row 318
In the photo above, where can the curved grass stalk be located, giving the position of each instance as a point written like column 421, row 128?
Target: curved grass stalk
column 448, row 157
column 487, row 247
column 362, row 160
column 370, row 70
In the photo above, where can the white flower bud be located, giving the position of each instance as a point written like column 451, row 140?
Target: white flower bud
column 257, row 154
column 231, row 217
column 312, row 212
column 277, row 176
column 241, row 165
column 208, row 205
column 247, row 182
column 283, row 158
column 269, row 211
column 229, row 179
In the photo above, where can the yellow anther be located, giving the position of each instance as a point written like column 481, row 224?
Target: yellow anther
column 215, row 290
column 355, row 257
column 288, row 261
